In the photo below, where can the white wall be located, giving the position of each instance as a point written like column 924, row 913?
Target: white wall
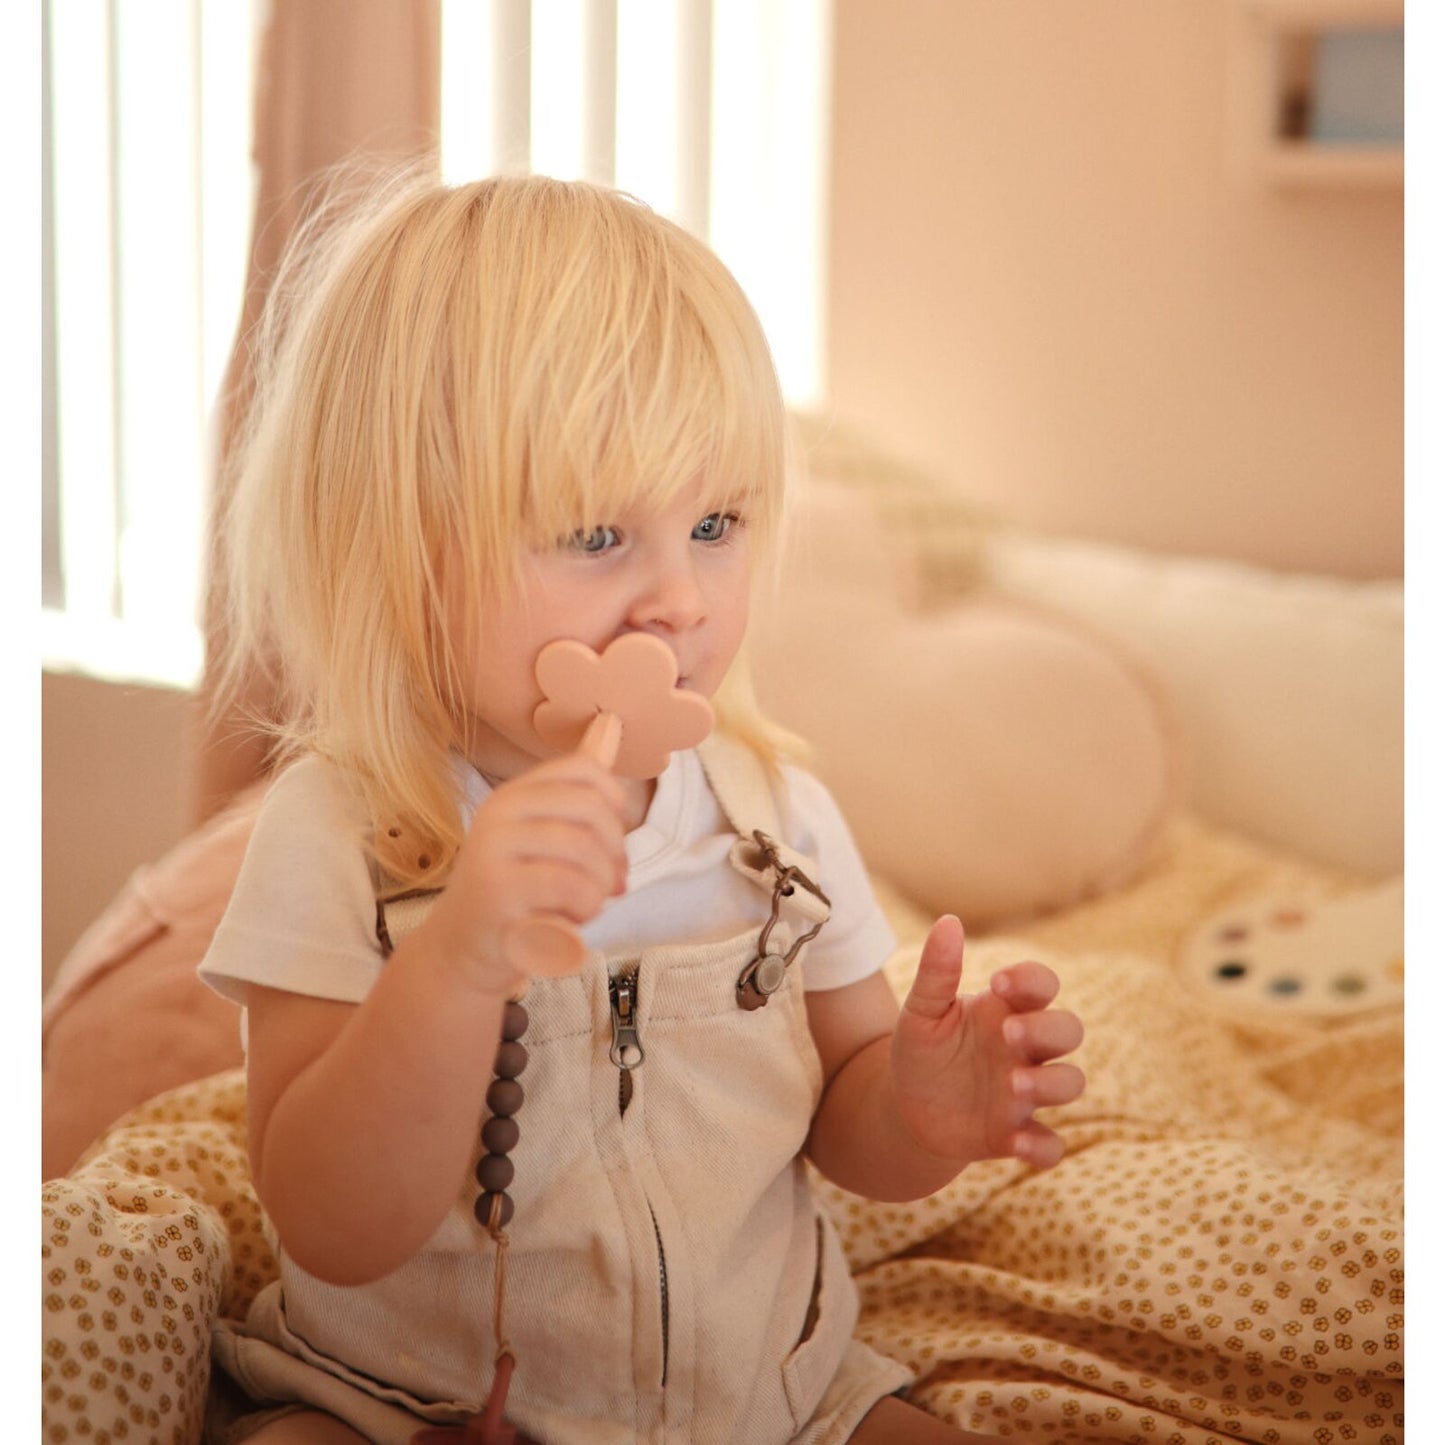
column 1052, row 285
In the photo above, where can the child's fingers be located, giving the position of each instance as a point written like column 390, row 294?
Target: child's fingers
column 574, row 798
column 1026, row 985
column 571, row 821
column 572, row 845
column 1043, row 1035
column 940, row 967
column 553, row 886
column 573, row 765
column 1049, row 1086
column 1038, row 1147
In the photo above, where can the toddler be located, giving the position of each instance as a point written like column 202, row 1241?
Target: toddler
column 489, row 417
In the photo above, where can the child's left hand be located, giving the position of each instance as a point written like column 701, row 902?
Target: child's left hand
column 968, row 1073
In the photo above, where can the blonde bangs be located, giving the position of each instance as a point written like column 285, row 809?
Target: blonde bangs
column 446, row 376
column 627, row 365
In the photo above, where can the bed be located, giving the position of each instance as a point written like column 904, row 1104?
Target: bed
column 1178, row 781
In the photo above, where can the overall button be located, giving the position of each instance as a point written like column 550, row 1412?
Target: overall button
column 762, row 978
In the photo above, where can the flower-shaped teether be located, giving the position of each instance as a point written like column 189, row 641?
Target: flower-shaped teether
column 625, row 709
column 633, row 681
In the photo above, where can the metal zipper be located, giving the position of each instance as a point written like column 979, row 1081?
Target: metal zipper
column 662, row 1285
column 628, row 1054
column 626, row 1051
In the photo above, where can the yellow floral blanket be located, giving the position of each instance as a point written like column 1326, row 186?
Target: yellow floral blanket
column 1219, row 1256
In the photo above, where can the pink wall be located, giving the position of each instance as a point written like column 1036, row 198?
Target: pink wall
column 115, row 783
column 1053, row 285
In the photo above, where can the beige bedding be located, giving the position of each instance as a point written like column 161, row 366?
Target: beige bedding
column 1220, row 1254
column 1217, row 1258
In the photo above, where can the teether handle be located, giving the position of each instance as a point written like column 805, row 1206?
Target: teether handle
column 551, row 947
column 602, row 739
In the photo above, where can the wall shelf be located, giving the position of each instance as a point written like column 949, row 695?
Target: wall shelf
column 1317, row 92
column 1293, row 163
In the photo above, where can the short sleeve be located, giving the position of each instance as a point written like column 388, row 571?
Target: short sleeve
column 303, row 914
column 857, row 939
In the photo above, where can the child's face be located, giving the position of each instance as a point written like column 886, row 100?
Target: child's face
column 681, row 574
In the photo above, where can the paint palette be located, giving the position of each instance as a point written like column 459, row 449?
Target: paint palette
column 1317, row 957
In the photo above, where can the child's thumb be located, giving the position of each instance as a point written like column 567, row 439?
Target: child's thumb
column 940, row 967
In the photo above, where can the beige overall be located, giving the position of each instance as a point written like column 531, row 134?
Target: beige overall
column 669, row 1276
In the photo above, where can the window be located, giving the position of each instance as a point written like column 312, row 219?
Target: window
column 713, row 113
column 145, row 211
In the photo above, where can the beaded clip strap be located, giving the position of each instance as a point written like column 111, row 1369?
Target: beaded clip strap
column 625, row 710
column 493, row 1210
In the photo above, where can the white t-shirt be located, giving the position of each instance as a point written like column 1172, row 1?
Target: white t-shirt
column 303, row 914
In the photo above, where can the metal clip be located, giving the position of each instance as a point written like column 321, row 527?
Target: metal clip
column 767, row 973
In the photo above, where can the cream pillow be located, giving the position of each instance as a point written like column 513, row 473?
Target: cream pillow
column 1289, row 688
column 992, row 759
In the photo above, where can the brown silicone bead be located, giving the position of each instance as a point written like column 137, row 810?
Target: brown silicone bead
column 500, row 1134
column 495, row 1172
column 483, row 1209
column 511, row 1059
column 504, row 1096
column 514, row 1021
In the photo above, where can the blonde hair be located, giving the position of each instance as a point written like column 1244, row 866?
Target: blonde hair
column 456, row 373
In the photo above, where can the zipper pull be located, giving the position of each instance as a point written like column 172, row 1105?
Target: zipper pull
column 626, row 1051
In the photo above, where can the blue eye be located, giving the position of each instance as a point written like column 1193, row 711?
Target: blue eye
column 593, row 540
column 715, row 526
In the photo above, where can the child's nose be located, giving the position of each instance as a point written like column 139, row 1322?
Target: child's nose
column 672, row 598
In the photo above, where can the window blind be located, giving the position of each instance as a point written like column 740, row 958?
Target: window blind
column 714, row 114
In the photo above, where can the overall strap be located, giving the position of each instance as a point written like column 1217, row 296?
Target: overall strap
column 742, row 785
column 398, row 911
column 747, row 793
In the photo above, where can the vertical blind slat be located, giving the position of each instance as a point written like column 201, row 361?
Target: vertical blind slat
column 466, row 113
column 511, row 82
column 694, row 114
column 52, row 573
column 81, row 146
column 599, row 91
column 117, row 306
column 160, row 413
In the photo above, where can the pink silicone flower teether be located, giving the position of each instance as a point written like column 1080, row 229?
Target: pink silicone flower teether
column 634, row 681
column 625, row 709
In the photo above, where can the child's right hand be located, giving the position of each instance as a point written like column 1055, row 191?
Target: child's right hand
column 549, row 842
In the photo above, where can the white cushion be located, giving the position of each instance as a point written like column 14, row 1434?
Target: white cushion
column 994, row 759
column 1289, row 688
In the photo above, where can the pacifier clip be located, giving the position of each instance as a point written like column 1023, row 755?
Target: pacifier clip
column 768, row 971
